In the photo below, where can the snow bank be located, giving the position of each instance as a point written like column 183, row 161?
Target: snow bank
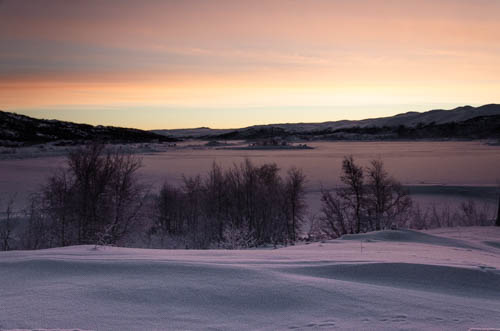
column 396, row 280
column 407, row 236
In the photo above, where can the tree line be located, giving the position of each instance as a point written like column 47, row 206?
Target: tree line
column 243, row 206
column 98, row 199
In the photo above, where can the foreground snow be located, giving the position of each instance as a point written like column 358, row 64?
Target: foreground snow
column 441, row 279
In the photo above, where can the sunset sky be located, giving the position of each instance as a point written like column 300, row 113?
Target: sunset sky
column 173, row 64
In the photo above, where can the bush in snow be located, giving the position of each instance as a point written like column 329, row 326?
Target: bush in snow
column 469, row 213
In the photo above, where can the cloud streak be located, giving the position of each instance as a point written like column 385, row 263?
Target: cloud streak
column 277, row 53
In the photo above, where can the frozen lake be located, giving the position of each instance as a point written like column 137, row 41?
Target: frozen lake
column 454, row 170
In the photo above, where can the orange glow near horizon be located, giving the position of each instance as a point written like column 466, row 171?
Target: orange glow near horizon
column 162, row 64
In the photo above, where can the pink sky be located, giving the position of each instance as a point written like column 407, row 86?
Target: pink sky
column 171, row 64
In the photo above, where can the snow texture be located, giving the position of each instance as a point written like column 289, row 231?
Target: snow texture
column 444, row 279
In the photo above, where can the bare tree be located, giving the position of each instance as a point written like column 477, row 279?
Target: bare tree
column 215, row 201
column 497, row 223
column 169, row 217
column 7, row 226
column 125, row 194
column 354, row 192
column 378, row 187
column 385, row 197
column 97, row 197
column 335, row 221
column 370, row 200
column 197, row 229
column 295, row 199
column 36, row 234
column 58, row 206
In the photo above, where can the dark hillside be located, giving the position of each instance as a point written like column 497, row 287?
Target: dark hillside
column 18, row 129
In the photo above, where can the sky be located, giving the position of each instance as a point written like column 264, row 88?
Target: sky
column 226, row 64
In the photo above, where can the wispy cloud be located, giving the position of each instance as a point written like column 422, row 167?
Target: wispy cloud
column 238, row 54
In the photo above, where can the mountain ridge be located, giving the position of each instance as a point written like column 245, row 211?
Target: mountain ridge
column 465, row 122
column 410, row 119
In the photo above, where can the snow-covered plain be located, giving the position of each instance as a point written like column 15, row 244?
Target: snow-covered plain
column 444, row 279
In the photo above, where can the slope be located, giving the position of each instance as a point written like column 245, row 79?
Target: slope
column 387, row 284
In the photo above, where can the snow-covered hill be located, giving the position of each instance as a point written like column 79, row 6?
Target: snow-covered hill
column 410, row 119
column 445, row 279
column 192, row 133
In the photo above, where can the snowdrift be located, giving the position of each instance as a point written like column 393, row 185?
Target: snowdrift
column 408, row 236
column 385, row 280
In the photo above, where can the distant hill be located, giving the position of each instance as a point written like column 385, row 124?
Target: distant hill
column 192, row 133
column 18, row 129
column 460, row 123
column 463, row 122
